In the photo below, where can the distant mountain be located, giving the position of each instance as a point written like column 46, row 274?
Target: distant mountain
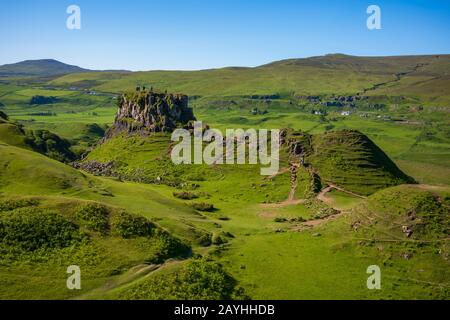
column 38, row 68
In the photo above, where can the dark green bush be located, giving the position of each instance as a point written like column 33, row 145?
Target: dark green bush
column 30, row 229
column 94, row 216
column 50, row 144
column 203, row 206
column 196, row 280
column 8, row 205
column 185, row 195
column 169, row 246
column 128, row 226
column 2, row 114
column 217, row 239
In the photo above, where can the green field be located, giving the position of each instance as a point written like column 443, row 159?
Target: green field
column 142, row 231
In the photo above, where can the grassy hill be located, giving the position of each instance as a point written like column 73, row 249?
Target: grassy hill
column 42, row 141
column 36, row 189
column 141, row 227
column 331, row 74
column 351, row 160
column 47, row 235
column 346, row 158
column 38, row 68
column 52, row 216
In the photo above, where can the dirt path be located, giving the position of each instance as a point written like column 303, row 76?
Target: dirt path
column 293, row 168
column 294, row 181
column 322, row 196
column 285, row 203
column 398, row 76
column 316, row 222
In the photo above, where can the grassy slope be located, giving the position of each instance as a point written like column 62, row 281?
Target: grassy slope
column 62, row 188
column 351, row 160
column 102, row 257
column 255, row 236
column 333, row 265
column 425, row 159
column 332, row 74
column 256, row 249
column 68, row 117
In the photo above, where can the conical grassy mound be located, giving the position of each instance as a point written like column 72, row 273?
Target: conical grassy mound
column 351, row 160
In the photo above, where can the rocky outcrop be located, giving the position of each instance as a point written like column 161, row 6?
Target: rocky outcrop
column 96, row 168
column 145, row 111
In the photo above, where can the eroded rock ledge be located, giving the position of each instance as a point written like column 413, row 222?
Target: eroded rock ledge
column 145, row 111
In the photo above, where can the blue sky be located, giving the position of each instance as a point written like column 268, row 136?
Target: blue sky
column 200, row 34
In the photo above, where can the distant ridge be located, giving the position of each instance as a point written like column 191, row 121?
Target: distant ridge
column 38, row 68
column 44, row 68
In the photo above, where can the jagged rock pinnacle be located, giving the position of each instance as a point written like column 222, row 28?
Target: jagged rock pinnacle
column 147, row 111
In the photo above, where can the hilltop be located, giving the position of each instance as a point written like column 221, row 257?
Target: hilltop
column 38, row 68
column 351, row 160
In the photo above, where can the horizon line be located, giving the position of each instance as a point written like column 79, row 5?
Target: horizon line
column 228, row 67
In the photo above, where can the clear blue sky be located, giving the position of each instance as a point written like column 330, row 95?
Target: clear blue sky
column 199, row 34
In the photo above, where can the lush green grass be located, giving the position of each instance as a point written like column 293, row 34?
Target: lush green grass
column 332, row 74
column 47, row 236
column 353, row 161
column 333, row 265
column 259, row 240
column 342, row 200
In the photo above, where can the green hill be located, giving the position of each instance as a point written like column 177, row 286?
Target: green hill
column 331, row 74
column 42, row 141
column 38, row 68
column 53, row 216
column 351, row 160
column 345, row 158
column 416, row 213
column 136, row 223
column 47, row 236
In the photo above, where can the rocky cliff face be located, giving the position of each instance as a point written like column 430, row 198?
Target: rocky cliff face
column 147, row 111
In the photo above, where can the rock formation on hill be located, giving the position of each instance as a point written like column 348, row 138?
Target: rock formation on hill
column 145, row 111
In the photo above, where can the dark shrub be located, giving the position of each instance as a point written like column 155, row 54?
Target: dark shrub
column 217, row 239
column 94, row 216
column 43, row 100
column 8, row 205
column 31, row 229
column 169, row 246
column 203, row 206
column 2, row 114
column 196, row 280
column 128, row 226
column 185, row 195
